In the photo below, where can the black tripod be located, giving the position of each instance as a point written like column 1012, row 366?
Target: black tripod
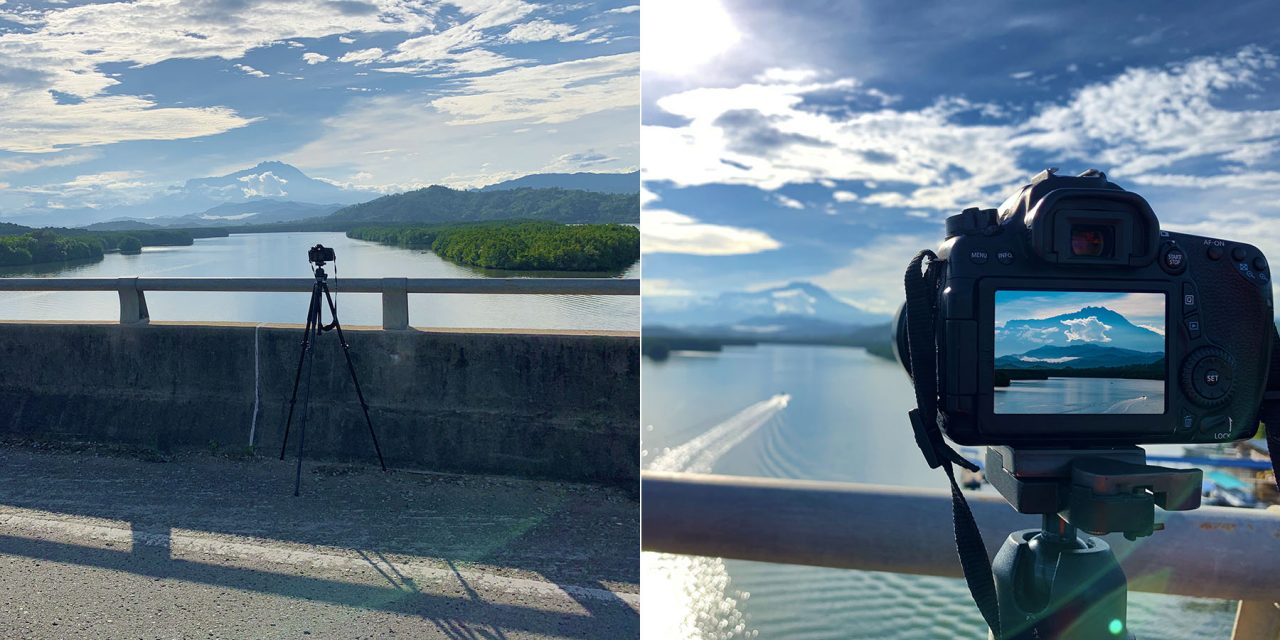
column 1052, row 582
column 314, row 327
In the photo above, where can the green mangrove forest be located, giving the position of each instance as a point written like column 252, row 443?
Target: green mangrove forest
column 518, row 245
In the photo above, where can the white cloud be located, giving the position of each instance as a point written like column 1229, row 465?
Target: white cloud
column 22, row 165
column 763, row 134
column 312, row 57
column 267, row 185
column 64, row 49
column 663, row 231
column 661, row 287
column 250, row 71
column 547, row 94
column 346, row 40
column 1089, row 329
column 538, row 31
column 872, row 278
column 790, row 203
column 844, row 196
column 423, row 149
column 1146, row 119
column 628, row 9
column 363, row 56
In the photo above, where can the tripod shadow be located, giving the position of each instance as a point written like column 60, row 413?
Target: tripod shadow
column 524, row 527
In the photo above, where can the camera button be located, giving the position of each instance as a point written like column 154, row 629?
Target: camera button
column 978, row 256
column 1172, row 259
column 1005, row 257
column 1188, row 421
column 1260, row 263
column 1215, row 252
column 1238, row 254
column 1193, row 326
column 1189, row 298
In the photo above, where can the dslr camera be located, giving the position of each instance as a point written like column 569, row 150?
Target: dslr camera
column 1068, row 318
column 319, row 255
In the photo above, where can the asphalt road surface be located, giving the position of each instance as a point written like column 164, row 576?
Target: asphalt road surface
column 95, row 544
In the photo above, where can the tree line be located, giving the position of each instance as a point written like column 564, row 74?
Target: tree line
column 438, row 204
column 39, row 246
column 522, row 245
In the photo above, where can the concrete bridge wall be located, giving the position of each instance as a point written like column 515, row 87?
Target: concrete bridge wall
column 562, row 405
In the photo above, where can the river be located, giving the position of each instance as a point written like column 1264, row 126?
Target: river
column 820, row 413
column 285, row 255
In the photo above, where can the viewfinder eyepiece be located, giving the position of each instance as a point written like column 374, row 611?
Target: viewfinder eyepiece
column 1092, row 240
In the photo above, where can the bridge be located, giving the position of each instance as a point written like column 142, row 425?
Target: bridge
column 141, row 494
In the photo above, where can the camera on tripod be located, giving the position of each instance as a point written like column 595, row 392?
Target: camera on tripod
column 320, row 254
column 1068, row 318
column 1062, row 331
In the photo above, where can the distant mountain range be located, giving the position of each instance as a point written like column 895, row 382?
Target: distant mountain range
column 1080, row 356
column 274, row 191
column 442, row 204
column 1090, row 324
column 600, row 182
column 798, row 307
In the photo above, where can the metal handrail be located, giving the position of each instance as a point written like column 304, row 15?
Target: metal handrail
column 395, row 291
column 1212, row 552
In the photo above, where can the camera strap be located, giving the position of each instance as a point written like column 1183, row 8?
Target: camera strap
column 921, row 283
column 1269, row 414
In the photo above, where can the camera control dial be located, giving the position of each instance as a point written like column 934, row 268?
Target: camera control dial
column 1207, row 376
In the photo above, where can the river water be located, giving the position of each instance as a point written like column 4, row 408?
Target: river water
column 285, row 255
column 820, row 413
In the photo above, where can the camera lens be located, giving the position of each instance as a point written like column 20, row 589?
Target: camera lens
column 1088, row 240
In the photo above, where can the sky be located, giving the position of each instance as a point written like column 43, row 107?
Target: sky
column 109, row 103
column 827, row 142
column 1143, row 309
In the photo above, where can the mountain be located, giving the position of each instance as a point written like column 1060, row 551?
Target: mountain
column 1079, row 356
column 271, row 180
column 442, row 204
column 1098, row 325
column 800, row 307
column 600, row 182
column 261, row 211
column 124, row 224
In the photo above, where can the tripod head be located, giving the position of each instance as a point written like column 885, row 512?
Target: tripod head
column 1100, row 491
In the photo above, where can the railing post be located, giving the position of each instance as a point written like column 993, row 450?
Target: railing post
column 1258, row 619
column 133, row 304
column 395, row 303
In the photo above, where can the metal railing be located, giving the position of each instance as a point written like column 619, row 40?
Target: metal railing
column 395, row 291
column 1212, row 552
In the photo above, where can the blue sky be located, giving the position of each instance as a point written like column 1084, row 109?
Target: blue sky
column 828, row 141
column 103, row 104
column 1145, row 309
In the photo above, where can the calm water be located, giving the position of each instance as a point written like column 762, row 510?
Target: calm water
column 822, row 413
column 285, row 255
column 1081, row 395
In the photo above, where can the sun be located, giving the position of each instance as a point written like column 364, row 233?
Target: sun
column 691, row 33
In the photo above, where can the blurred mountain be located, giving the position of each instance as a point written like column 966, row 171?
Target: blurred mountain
column 796, row 308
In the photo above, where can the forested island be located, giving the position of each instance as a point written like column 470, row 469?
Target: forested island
column 37, row 246
column 518, row 244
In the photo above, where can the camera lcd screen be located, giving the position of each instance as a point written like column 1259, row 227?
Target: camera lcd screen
column 1089, row 352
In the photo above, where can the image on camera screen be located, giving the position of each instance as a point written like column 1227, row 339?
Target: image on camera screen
column 1079, row 352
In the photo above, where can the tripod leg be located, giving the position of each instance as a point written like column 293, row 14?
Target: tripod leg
column 351, row 368
column 297, row 375
column 306, row 402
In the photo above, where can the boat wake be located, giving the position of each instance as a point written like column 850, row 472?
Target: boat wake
column 700, row 454
column 693, row 596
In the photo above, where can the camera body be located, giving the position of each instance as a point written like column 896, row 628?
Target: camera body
column 1068, row 318
column 320, row 254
